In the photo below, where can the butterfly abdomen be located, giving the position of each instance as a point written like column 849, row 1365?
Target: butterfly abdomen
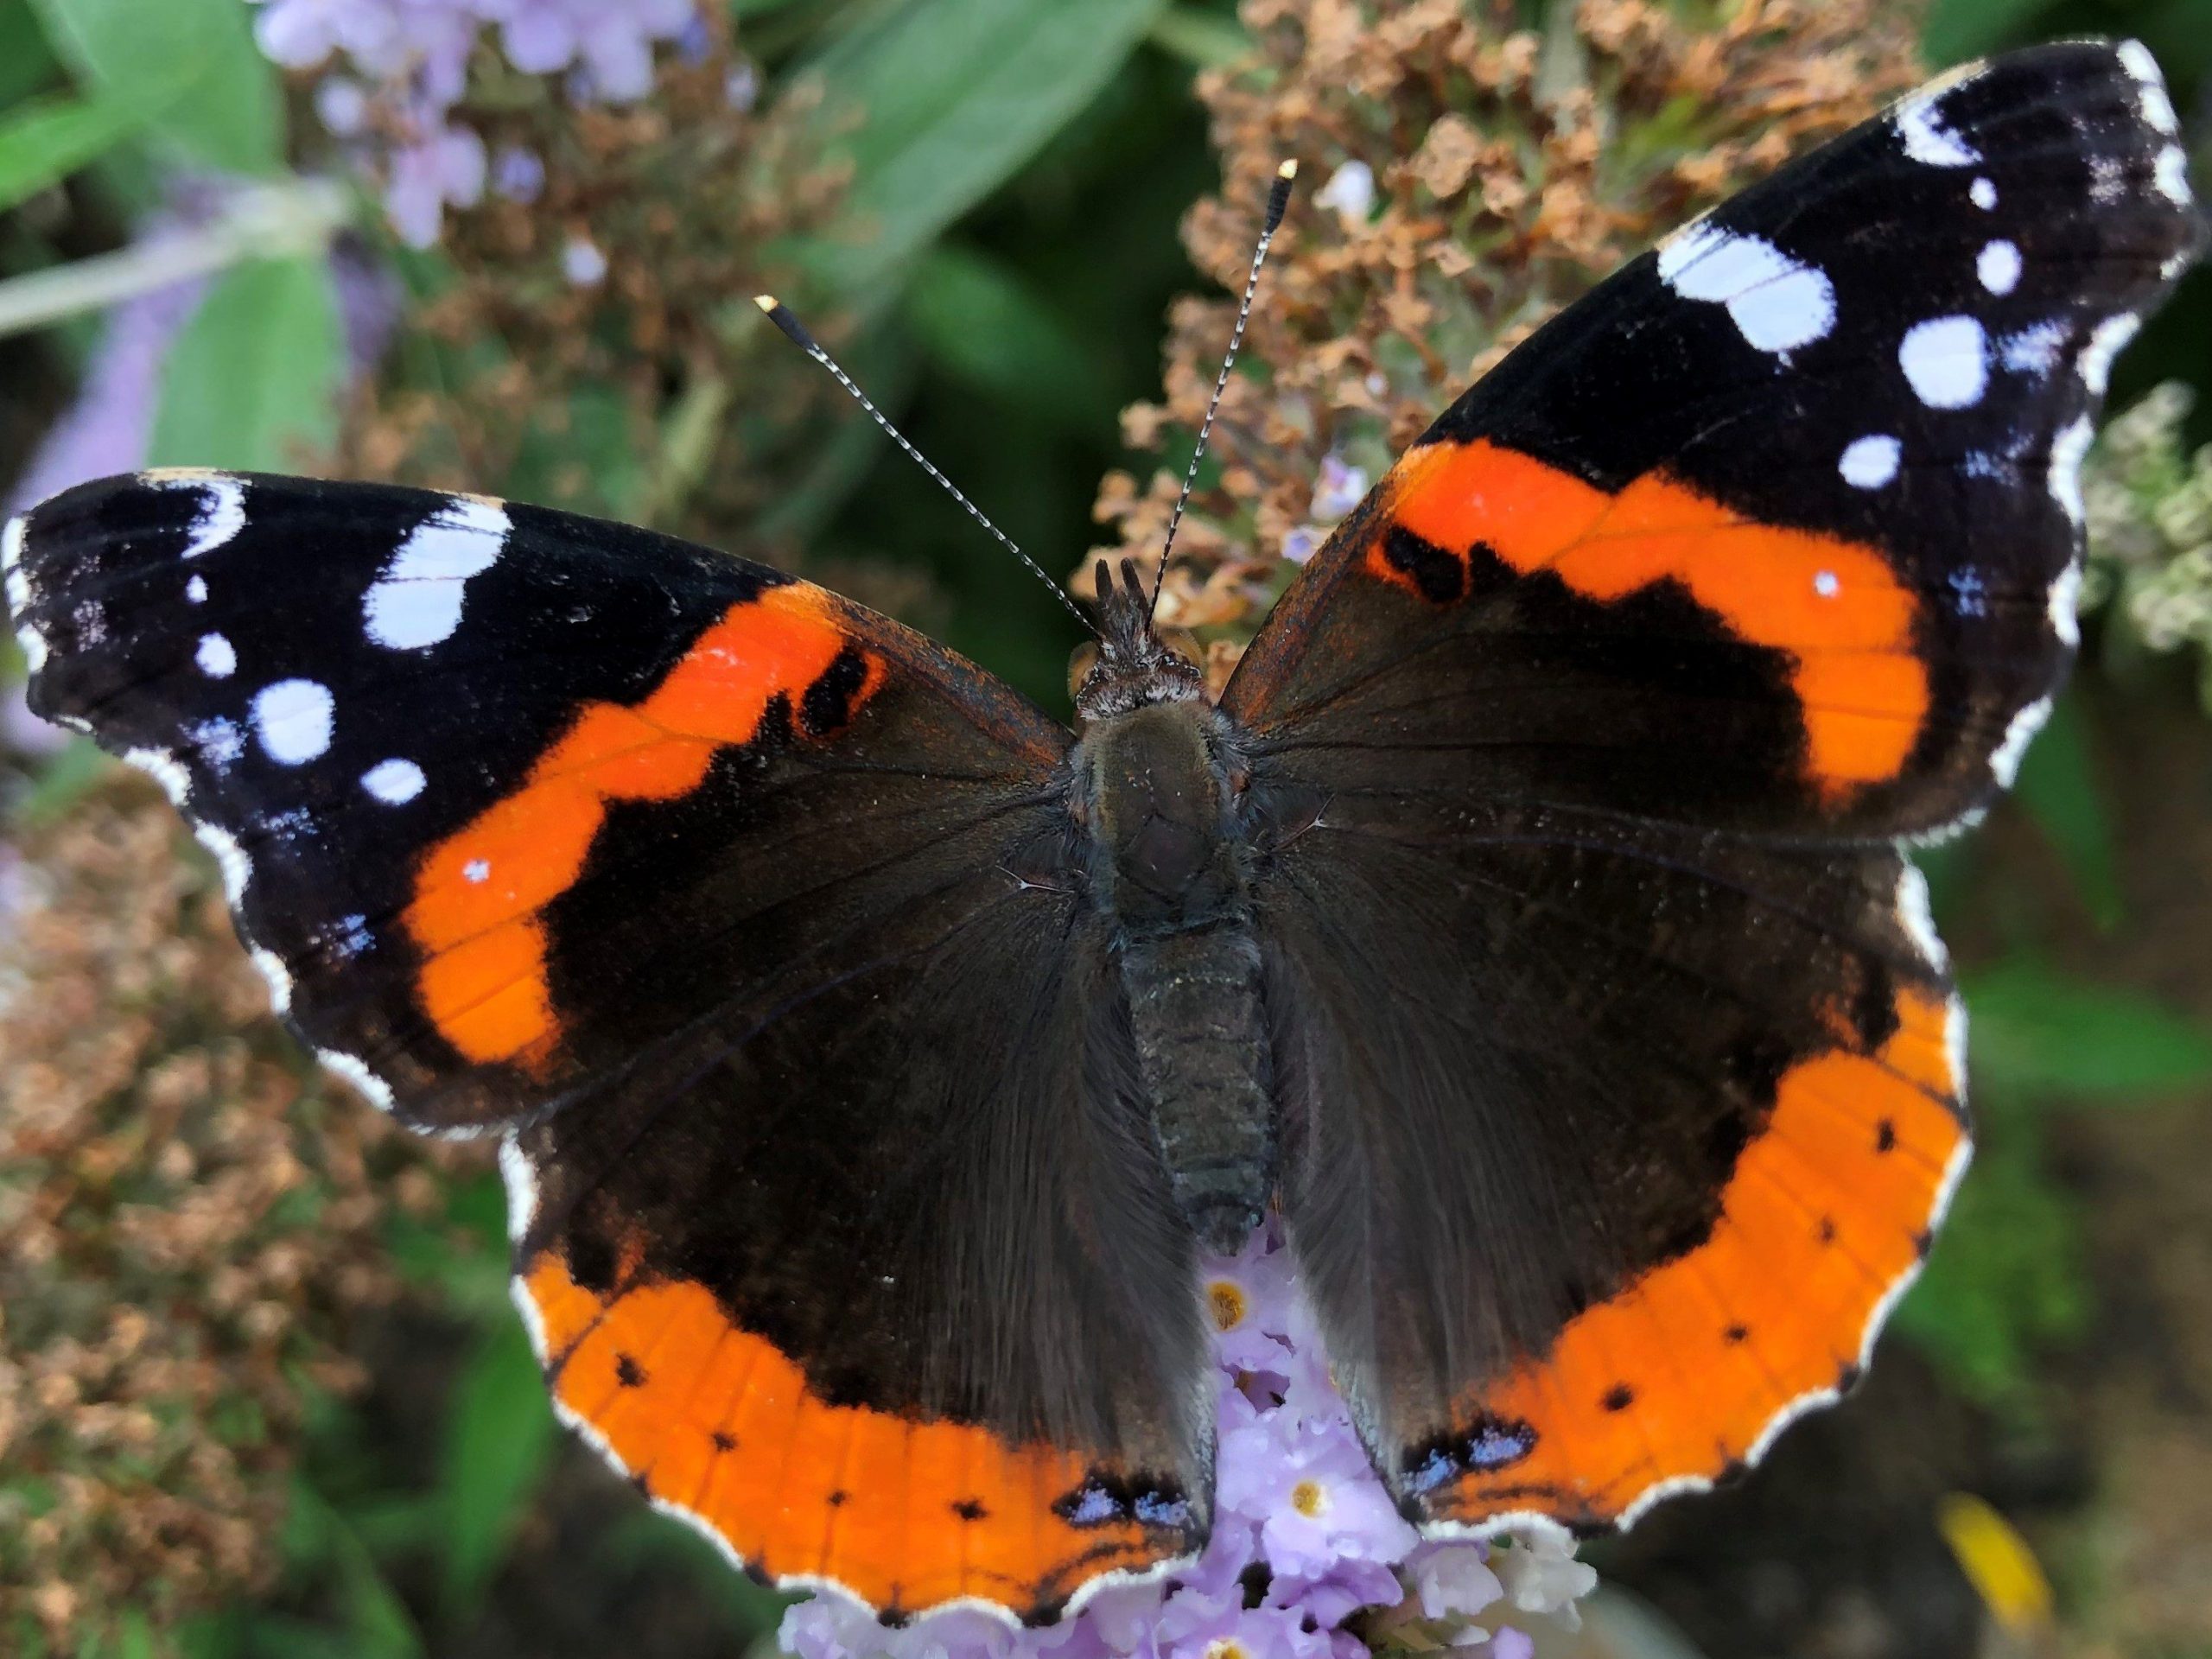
column 1194, row 1003
column 1169, row 864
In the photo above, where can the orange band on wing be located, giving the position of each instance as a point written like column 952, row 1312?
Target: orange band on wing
column 1835, row 605
column 479, row 892
column 1684, row 1375
column 715, row 1421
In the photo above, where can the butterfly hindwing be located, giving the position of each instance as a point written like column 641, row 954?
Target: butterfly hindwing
column 1607, row 1144
column 706, row 888
column 1620, row 1065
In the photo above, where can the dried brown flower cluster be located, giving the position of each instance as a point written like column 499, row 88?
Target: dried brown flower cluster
column 1461, row 180
column 187, row 1221
column 584, row 351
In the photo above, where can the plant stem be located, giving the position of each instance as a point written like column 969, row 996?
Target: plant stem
column 261, row 221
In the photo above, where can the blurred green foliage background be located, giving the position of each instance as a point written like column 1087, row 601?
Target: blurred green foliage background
column 995, row 260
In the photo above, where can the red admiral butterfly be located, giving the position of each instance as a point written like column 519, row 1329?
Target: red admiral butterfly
column 1527, row 924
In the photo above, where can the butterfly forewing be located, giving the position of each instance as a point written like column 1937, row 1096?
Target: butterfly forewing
column 1779, row 528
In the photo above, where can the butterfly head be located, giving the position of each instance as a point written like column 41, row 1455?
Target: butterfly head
column 1135, row 666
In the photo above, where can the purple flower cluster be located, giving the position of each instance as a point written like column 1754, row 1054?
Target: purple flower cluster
column 1294, row 1496
column 408, row 66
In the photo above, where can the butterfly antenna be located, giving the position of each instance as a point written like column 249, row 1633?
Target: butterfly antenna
column 1278, row 201
column 780, row 315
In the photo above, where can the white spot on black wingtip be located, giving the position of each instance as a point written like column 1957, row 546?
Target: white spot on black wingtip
column 1920, row 126
column 278, row 976
column 176, row 781
column 2066, row 449
column 2150, row 96
column 395, row 782
column 2107, row 340
column 1777, row 302
column 219, row 743
column 416, row 602
column 1917, row 920
column 215, row 657
column 195, row 590
column 1998, row 265
column 1983, row 193
column 222, row 505
column 230, row 858
column 2170, row 172
column 2064, row 607
column 1946, row 361
column 2033, row 350
column 292, row 718
column 1870, row 462
column 2005, row 764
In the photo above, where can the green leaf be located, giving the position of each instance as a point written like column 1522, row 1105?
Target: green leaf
column 378, row 1626
column 47, row 141
column 132, row 50
column 642, row 1539
column 499, row 1442
column 26, row 64
column 2007, row 1281
column 582, row 455
column 213, row 1636
column 2059, row 788
column 252, row 382
column 1203, row 40
column 133, row 1639
column 1959, row 29
column 953, row 97
column 2039, row 1032
column 984, row 325
column 881, row 361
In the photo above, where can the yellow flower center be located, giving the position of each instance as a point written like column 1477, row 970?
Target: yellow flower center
column 1309, row 1498
column 1227, row 1300
column 1226, row 1647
